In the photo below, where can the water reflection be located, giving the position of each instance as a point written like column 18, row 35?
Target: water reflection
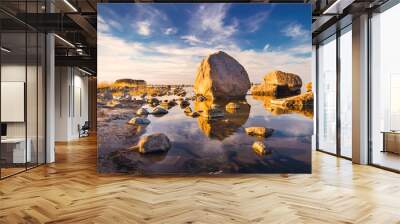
column 226, row 126
column 277, row 110
column 205, row 144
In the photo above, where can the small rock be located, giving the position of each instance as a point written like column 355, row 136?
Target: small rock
column 260, row 148
column 201, row 98
column 159, row 110
column 187, row 110
column 195, row 114
column 259, row 131
column 139, row 121
column 184, row 103
column 153, row 101
column 142, row 111
column 157, row 142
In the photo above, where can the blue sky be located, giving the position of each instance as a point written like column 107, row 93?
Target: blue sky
column 164, row 43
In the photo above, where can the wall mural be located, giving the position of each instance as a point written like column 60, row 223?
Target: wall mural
column 204, row 88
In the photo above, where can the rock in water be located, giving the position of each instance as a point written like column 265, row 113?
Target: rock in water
column 200, row 98
column 187, row 110
column 184, row 103
column 220, row 76
column 107, row 95
column 195, row 114
column 278, row 83
column 259, row 131
column 139, row 121
column 157, row 142
column 153, row 101
column 260, row 148
column 142, row 111
column 159, row 110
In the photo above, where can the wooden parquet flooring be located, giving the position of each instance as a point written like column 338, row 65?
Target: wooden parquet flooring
column 70, row 191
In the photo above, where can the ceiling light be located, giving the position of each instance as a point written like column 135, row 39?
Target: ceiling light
column 5, row 50
column 64, row 40
column 70, row 5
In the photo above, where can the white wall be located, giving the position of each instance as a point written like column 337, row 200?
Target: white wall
column 33, row 126
column 71, row 102
column 12, row 73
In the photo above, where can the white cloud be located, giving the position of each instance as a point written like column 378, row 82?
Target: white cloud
column 114, row 24
column 295, row 31
column 170, row 30
column 151, row 21
column 102, row 26
column 266, row 47
column 191, row 39
column 210, row 25
column 253, row 23
column 143, row 28
column 106, row 26
column 300, row 49
column 118, row 58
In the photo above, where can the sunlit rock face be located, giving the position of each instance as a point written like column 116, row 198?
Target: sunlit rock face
column 279, row 84
column 221, row 127
column 220, row 76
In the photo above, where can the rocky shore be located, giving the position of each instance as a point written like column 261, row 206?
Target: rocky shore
column 218, row 103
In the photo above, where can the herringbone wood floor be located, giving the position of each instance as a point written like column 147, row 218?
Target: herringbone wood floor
column 70, row 191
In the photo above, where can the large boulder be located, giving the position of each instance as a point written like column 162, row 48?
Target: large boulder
column 220, row 76
column 278, row 83
column 157, row 142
